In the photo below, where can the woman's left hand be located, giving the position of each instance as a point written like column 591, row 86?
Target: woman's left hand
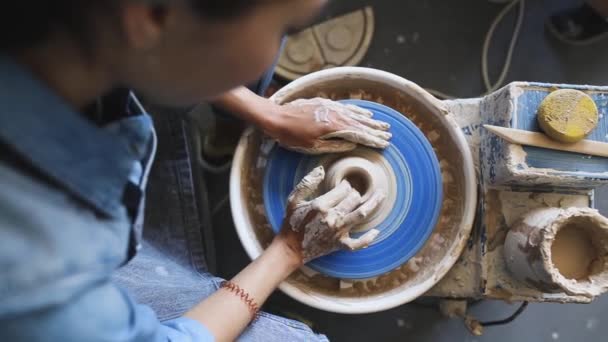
column 314, row 227
column 318, row 125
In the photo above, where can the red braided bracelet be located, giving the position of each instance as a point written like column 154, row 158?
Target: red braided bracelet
column 234, row 288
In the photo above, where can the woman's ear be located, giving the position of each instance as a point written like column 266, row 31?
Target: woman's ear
column 143, row 24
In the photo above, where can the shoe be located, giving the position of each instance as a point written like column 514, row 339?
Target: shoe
column 578, row 26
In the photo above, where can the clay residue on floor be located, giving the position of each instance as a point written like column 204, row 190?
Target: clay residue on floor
column 573, row 252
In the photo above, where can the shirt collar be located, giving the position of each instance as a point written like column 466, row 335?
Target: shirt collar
column 88, row 161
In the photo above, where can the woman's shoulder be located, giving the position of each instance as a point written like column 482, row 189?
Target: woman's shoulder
column 50, row 245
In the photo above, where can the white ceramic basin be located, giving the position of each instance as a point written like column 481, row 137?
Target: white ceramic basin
column 441, row 250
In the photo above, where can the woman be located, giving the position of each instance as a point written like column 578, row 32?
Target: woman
column 74, row 168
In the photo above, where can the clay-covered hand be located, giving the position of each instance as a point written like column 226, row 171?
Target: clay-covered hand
column 319, row 226
column 318, row 125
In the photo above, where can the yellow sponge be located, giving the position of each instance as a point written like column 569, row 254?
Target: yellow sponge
column 567, row 115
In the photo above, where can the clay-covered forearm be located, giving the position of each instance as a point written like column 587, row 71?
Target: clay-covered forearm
column 312, row 228
column 225, row 313
column 247, row 105
column 308, row 125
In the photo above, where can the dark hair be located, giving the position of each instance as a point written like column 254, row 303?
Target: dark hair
column 223, row 8
column 24, row 23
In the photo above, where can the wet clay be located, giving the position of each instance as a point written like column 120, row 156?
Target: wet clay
column 573, row 252
column 367, row 171
column 359, row 181
column 363, row 174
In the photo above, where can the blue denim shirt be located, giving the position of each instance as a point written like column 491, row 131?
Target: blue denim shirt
column 71, row 208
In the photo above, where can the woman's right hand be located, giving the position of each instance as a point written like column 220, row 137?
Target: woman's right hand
column 312, row 228
column 319, row 226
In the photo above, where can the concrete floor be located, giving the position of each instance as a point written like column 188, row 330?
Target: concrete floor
column 441, row 49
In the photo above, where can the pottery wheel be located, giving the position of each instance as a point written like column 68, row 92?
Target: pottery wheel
column 407, row 170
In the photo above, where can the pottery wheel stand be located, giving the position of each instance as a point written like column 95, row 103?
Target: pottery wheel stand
column 503, row 261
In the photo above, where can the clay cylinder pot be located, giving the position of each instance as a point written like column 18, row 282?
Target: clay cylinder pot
column 560, row 250
column 362, row 174
column 366, row 177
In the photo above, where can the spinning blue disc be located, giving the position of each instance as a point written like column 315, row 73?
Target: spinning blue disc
column 414, row 212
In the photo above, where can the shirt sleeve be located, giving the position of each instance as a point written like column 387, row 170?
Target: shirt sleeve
column 103, row 313
column 56, row 262
column 186, row 329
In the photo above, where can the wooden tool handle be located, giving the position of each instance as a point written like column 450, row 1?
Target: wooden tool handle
column 521, row 137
